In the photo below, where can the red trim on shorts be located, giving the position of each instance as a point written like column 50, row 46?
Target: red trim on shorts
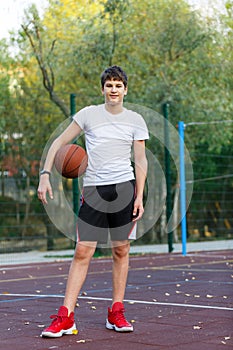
column 132, row 230
column 82, row 196
column 77, row 234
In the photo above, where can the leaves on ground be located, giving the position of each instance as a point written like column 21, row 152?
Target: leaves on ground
column 196, row 327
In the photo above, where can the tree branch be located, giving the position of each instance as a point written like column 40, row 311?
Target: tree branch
column 48, row 77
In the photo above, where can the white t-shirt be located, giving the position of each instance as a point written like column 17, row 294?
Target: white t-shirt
column 109, row 138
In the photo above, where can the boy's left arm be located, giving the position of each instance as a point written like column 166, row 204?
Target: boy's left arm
column 140, row 174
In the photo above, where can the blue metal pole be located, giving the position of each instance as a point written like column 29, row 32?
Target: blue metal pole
column 181, row 128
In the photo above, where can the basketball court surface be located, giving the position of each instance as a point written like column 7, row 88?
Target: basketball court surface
column 174, row 302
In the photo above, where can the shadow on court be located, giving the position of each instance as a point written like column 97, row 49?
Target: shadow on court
column 174, row 302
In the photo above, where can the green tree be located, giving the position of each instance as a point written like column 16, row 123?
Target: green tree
column 170, row 52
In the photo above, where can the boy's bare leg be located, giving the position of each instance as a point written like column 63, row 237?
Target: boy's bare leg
column 120, row 254
column 78, row 272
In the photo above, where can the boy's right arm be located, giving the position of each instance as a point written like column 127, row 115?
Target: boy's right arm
column 69, row 134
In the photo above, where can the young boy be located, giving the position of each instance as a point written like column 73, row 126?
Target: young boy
column 112, row 195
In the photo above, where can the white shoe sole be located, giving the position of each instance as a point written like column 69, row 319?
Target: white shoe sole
column 117, row 329
column 70, row 331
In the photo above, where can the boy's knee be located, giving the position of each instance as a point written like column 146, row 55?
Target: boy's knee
column 84, row 252
column 121, row 251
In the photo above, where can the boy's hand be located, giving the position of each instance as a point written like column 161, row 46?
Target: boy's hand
column 138, row 209
column 43, row 188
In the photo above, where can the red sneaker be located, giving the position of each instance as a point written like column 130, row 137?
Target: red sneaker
column 61, row 324
column 116, row 319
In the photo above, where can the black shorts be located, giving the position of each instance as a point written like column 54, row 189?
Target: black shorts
column 106, row 213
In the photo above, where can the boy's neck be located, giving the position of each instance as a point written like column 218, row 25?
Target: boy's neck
column 114, row 108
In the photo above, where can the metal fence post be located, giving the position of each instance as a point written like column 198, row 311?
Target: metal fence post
column 167, row 174
column 75, row 187
column 181, row 128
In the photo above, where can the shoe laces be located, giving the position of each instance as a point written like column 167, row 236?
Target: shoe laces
column 56, row 318
column 120, row 314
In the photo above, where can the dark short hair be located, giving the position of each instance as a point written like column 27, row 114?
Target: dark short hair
column 115, row 73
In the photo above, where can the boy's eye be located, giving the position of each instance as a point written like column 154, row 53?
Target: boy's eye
column 118, row 86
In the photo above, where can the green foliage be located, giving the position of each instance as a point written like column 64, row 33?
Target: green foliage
column 170, row 52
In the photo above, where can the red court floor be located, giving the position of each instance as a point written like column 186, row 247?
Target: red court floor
column 174, row 302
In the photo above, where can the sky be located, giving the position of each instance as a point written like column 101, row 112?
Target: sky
column 11, row 11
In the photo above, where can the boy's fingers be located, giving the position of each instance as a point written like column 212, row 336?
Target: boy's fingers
column 137, row 213
column 42, row 195
column 50, row 192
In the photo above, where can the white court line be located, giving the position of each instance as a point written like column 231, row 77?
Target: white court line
column 51, row 263
column 210, row 255
column 59, row 261
column 125, row 300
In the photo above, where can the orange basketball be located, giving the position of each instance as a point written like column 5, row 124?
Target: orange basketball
column 71, row 161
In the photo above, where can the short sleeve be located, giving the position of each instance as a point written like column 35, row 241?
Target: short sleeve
column 141, row 130
column 80, row 118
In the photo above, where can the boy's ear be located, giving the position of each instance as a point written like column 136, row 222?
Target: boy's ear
column 126, row 90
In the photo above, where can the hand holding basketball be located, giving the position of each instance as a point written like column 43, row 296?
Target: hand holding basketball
column 71, row 161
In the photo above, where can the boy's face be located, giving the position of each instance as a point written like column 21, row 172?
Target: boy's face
column 114, row 91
